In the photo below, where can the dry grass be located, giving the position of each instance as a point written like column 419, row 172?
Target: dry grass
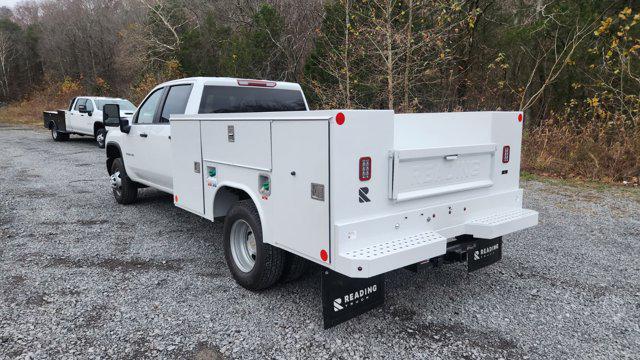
column 53, row 96
column 607, row 152
column 29, row 112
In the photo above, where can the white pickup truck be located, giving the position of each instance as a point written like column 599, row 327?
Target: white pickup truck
column 359, row 192
column 84, row 117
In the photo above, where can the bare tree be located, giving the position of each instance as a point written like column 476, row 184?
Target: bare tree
column 563, row 44
column 7, row 53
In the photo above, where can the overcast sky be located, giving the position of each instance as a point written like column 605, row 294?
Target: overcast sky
column 8, row 3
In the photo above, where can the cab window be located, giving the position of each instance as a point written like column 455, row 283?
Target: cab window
column 78, row 103
column 89, row 105
column 148, row 108
column 237, row 99
column 176, row 102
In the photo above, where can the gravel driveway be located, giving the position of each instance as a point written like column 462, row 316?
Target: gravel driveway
column 82, row 277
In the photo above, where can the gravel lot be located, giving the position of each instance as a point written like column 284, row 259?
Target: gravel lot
column 82, row 277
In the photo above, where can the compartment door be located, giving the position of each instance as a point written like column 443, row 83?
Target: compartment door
column 300, row 186
column 186, row 152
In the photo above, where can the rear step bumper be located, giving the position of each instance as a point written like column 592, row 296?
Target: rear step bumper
column 501, row 223
column 382, row 257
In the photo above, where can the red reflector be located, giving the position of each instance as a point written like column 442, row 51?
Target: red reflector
column 340, row 119
column 175, row 198
column 519, row 117
column 365, row 168
column 323, row 255
column 258, row 83
column 506, row 153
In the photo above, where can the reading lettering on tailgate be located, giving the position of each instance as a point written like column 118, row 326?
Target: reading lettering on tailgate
column 432, row 172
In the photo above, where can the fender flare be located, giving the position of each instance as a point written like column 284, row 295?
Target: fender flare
column 252, row 196
column 110, row 159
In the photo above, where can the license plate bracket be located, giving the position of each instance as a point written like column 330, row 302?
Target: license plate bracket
column 484, row 253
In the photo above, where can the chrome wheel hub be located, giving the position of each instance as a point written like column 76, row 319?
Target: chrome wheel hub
column 243, row 245
column 116, row 181
column 100, row 138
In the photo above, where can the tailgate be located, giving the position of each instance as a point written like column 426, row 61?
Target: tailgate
column 420, row 173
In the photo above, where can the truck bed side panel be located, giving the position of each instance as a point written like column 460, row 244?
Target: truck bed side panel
column 58, row 117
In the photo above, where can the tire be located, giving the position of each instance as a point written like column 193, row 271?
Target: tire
column 124, row 189
column 100, row 137
column 294, row 267
column 268, row 262
column 57, row 135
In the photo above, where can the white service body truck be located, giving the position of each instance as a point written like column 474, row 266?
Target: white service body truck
column 359, row 192
column 84, row 117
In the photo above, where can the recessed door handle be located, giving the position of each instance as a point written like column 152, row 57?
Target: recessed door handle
column 143, row 135
column 451, row 157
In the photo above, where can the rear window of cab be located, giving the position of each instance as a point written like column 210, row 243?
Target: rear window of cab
column 232, row 99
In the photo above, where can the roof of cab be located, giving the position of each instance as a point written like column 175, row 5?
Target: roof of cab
column 101, row 98
column 227, row 81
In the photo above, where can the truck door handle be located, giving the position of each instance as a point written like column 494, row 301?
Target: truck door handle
column 143, row 135
column 451, row 157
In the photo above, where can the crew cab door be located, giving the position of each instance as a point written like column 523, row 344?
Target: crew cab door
column 148, row 148
column 136, row 149
column 74, row 117
column 174, row 102
column 86, row 118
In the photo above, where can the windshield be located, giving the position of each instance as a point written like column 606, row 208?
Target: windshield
column 125, row 105
column 231, row 99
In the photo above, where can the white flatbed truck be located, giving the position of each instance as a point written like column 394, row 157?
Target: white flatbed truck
column 84, row 117
column 359, row 192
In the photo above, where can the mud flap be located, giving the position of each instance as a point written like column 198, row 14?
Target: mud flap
column 344, row 298
column 484, row 253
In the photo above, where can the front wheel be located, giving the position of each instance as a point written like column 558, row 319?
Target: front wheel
column 253, row 264
column 124, row 189
column 101, row 135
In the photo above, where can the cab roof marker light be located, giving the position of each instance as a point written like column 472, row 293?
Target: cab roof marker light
column 257, row 83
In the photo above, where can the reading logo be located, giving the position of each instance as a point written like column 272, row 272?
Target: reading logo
column 354, row 298
column 485, row 251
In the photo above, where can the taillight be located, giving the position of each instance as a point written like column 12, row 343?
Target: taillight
column 506, row 153
column 258, row 83
column 365, row 168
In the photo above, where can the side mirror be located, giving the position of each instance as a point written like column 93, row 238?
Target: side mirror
column 111, row 115
column 82, row 108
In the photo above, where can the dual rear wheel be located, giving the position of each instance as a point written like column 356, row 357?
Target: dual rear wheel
column 254, row 264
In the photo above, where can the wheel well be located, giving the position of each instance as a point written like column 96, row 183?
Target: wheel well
column 113, row 152
column 226, row 197
column 51, row 124
column 97, row 125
